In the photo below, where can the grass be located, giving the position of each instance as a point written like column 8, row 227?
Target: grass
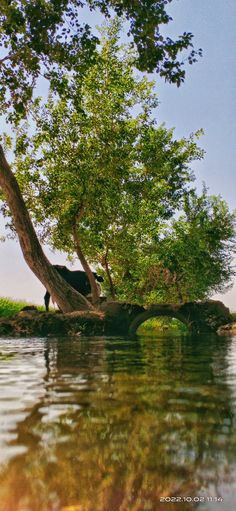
column 162, row 324
column 9, row 307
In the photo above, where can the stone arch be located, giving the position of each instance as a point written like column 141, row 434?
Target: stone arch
column 156, row 312
column 124, row 318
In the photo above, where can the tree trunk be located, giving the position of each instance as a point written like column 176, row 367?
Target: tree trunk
column 95, row 291
column 107, row 270
column 64, row 295
column 179, row 292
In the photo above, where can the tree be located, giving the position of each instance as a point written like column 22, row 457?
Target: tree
column 65, row 45
column 95, row 170
column 190, row 259
column 64, row 295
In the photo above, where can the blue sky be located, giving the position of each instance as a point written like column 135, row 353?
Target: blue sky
column 206, row 100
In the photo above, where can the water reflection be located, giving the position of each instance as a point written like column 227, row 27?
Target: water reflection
column 113, row 424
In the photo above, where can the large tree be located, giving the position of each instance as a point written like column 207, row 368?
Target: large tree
column 45, row 37
column 98, row 165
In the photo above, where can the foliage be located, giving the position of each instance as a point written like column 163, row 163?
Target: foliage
column 162, row 325
column 99, row 163
column 190, row 259
column 100, row 175
column 67, row 44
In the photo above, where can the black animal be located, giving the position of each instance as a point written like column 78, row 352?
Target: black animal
column 77, row 279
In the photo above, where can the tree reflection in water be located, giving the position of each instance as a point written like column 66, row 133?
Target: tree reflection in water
column 118, row 423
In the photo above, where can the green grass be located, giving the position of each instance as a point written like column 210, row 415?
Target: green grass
column 9, row 307
column 159, row 325
column 234, row 315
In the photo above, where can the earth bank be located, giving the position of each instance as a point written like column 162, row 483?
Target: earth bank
column 116, row 318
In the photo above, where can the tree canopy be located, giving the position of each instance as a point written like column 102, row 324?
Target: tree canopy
column 190, row 258
column 46, row 38
column 98, row 175
column 103, row 180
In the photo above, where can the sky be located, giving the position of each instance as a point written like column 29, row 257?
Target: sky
column 207, row 100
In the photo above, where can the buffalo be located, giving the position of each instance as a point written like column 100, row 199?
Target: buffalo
column 77, row 279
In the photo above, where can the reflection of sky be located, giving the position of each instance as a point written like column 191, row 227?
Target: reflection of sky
column 22, row 372
column 17, row 280
column 231, row 368
column 227, row 486
column 227, row 490
column 207, row 100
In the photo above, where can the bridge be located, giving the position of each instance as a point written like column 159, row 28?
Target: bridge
column 200, row 317
column 115, row 318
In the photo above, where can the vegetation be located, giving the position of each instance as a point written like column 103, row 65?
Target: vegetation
column 65, row 44
column 10, row 307
column 99, row 177
column 192, row 258
column 164, row 325
column 91, row 160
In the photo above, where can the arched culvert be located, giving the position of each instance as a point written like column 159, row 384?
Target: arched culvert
column 144, row 316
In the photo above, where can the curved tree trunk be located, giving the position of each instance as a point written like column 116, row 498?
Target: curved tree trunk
column 95, row 290
column 64, row 295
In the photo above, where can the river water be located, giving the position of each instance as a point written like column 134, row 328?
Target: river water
column 108, row 424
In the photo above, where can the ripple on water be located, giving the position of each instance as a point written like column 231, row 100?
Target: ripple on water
column 21, row 386
column 105, row 423
column 54, row 412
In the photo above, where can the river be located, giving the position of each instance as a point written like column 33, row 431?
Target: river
column 115, row 424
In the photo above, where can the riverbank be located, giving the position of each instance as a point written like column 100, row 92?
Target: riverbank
column 114, row 318
column 34, row 323
column 19, row 318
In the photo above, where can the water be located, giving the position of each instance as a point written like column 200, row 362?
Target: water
column 106, row 424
